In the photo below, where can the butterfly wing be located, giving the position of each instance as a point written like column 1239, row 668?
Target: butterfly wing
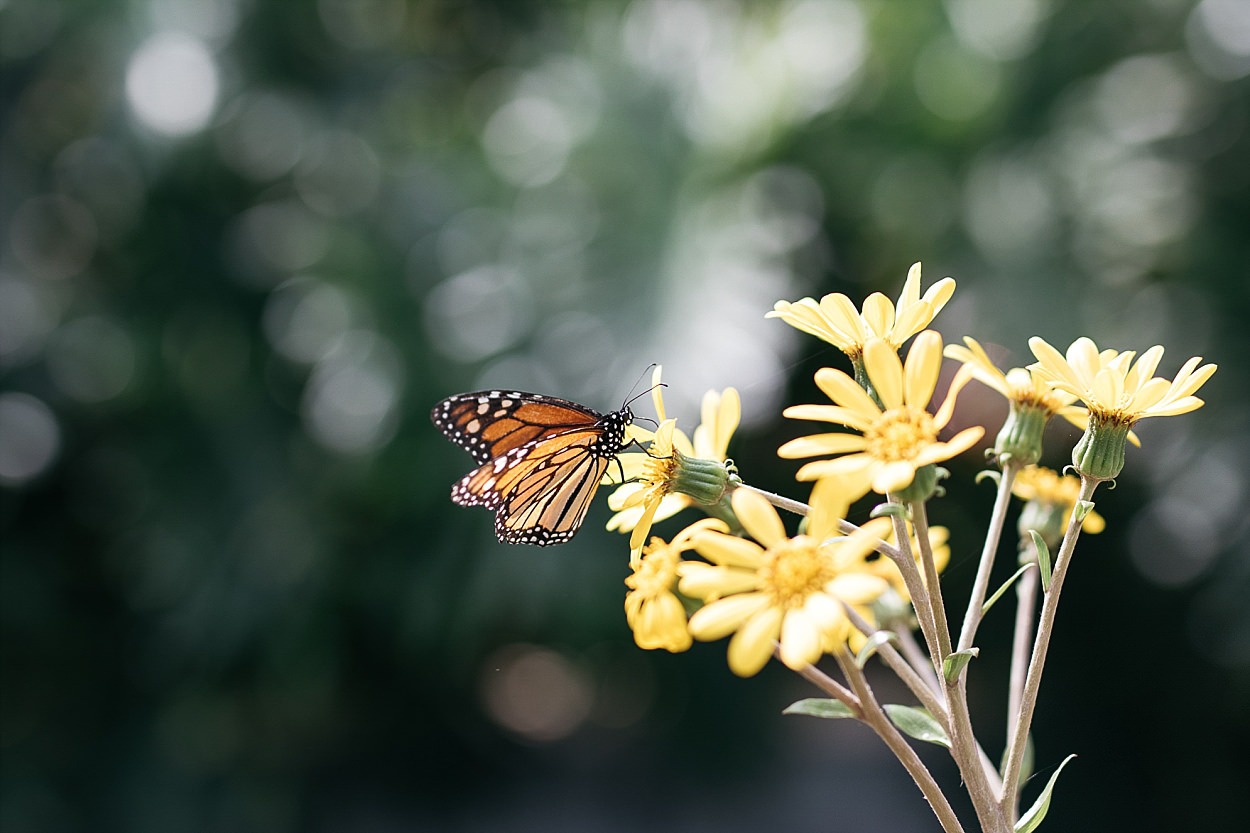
column 541, row 459
column 540, row 492
column 490, row 423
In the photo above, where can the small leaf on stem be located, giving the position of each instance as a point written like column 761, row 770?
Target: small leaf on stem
column 1031, row 819
column 1000, row 591
column 820, row 707
column 873, row 645
column 1043, row 558
column 954, row 663
column 917, row 723
column 1082, row 508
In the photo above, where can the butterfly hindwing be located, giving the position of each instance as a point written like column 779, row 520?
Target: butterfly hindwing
column 541, row 459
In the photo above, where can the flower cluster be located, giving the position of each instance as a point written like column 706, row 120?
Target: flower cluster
column 825, row 587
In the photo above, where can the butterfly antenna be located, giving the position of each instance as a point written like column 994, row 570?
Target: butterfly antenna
column 632, row 399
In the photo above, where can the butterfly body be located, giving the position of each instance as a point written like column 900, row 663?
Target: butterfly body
column 540, row 459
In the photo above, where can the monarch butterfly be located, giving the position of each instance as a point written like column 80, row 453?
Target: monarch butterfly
column 540, row 459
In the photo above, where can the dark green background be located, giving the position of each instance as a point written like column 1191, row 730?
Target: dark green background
column 224, row 610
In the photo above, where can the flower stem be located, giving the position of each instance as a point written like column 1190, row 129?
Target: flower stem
column 826, row 684
column 877, row 720
column 781, row 502
column 920, row 601
column 924, row 692
column 1026, row 604
column 973, row 615
column 1037, row 662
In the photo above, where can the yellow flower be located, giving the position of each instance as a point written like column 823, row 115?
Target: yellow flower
column 1031, row 401
column 893, row 442
column 653, row 610
column 782, row 589
column 673, row 463
column 1018, row 385
column 1050, row 498
column 1118, row 392
column 835, row 319
column 1113, row 388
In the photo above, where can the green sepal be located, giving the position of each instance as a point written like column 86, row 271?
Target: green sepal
column 954, row 663
column 985, row 608
column 1033, row 817
column 1043, row 558
column 872, row 645
column 917, row 723
column 924, row 485
column 988, row 474
column 820, row 707
column 894, row 510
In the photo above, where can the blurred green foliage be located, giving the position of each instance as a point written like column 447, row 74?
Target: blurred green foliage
column 247, row 245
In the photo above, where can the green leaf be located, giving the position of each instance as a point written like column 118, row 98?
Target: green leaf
column 917, row 723
column 1082, row 508
column 820, row 707
column 985, row 608
column 954, row 663
column 1031, row 819
column 1043, row 558
column 873, row 645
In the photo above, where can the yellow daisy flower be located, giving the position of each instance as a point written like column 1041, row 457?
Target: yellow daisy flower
column 1113, row 388
column 1118, row 393
column 836, row 320
column 653, row 610
column 893, row 441
column 1031, row 400
column 662, row 477
column 1018, row 385
column 781, row 589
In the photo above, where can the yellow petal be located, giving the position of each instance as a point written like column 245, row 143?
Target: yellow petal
column 800, row 639
column 885, row 372
column 708, row 581
column 924, row 363
column 728, row 550
column 821, row 444
column 758, row 517
column 724, row 616
column 831, row 413
column 845, row 391
column 890, row 477
column 752, row 645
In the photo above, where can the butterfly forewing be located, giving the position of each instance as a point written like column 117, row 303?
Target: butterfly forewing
column 541, row 459
column 490, row 423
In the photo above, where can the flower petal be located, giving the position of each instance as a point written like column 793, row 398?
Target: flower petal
column 758, row 517
column 752, row 645
column 708, row 581
column 845, row 391
column 728, row 550
column 885, row 371
column 821, row 444
column 924, row 363
column 724, row 616
column 800, row 639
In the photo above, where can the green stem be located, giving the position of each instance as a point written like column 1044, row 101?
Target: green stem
column 920, row 601
column 879, row 722
column 1033, row 680
column 980, row 586
column 1026, row 605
